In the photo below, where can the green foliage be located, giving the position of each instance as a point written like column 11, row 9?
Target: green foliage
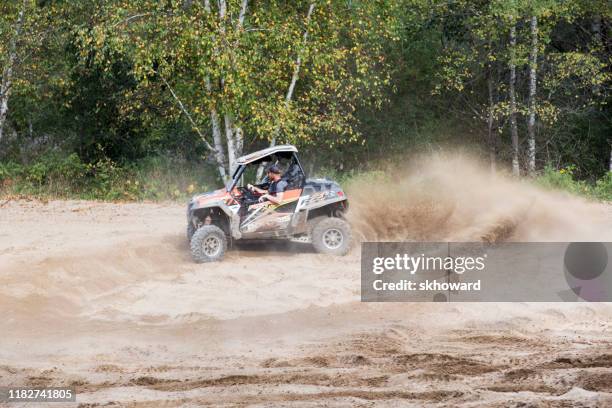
column 159, row 178
column 603, row 187
column 155, row 178
column 573, row 72
column 91, row 114
column 563, row 179
column 249, row 65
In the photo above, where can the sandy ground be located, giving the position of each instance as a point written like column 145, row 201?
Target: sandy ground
column 105, row 298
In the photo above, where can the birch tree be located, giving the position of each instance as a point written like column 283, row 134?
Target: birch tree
column 512, row 98
column 30, row 34
column 538, row 13
column 10, row 59
column 214, row 120
column 531, row 104
column 245, row 73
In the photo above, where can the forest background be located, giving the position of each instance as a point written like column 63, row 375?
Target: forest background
column 144, row 99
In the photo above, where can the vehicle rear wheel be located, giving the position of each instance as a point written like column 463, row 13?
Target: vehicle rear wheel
column 208, row 244
column 331, row 236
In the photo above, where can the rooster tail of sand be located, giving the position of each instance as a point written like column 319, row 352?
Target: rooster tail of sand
column 455, row 198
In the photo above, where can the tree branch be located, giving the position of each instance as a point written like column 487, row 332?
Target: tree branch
column 127, row 20
column 186, row 112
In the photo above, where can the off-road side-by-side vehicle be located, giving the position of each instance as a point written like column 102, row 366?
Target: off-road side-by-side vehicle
column 311, row 210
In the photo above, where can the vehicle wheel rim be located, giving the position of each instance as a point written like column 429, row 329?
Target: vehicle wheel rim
column 211, row 246
column 333, row 238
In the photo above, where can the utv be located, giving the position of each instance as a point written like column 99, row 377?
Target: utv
column 311, row 210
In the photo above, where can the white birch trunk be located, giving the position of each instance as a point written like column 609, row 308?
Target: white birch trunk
column 217, row 138
column 533, row 60
column 7, row 72
column 237, row 134
column 216, row 124
column 231, row 144
column 512, row 84
column 222, row 14
column 239, row 139
column 218, row 141
column 242, row 15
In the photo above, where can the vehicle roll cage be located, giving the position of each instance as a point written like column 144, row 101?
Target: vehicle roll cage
column 242, row 167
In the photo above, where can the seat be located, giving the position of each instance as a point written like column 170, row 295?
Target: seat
column 294, row 177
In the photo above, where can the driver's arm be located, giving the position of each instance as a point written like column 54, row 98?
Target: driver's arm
column 280, row 190
column 275, row 199
column 257, row 189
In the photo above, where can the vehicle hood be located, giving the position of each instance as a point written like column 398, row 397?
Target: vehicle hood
column 206, row 199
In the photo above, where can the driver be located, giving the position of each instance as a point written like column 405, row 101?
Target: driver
column 275, row 190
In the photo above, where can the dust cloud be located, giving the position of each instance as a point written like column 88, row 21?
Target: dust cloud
column 454, row 198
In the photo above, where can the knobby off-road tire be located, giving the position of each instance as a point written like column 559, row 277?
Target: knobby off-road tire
column 208, row 244
column 331, row 235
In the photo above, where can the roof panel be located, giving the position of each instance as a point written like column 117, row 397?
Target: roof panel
column 265, row 152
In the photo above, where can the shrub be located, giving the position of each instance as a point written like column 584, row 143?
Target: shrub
column 603, row 187
column 563, row 179
column 9, row 170
column 155, row 178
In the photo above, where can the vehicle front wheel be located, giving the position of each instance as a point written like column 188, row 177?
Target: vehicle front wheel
column 208, row 244
column 191, row 229
column 331, row 236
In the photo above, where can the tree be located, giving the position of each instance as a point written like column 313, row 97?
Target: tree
column 531, row 104
column 512, row 97
column 484, row 42
column 10, row 59
column 31, row 33
column 254, row 71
